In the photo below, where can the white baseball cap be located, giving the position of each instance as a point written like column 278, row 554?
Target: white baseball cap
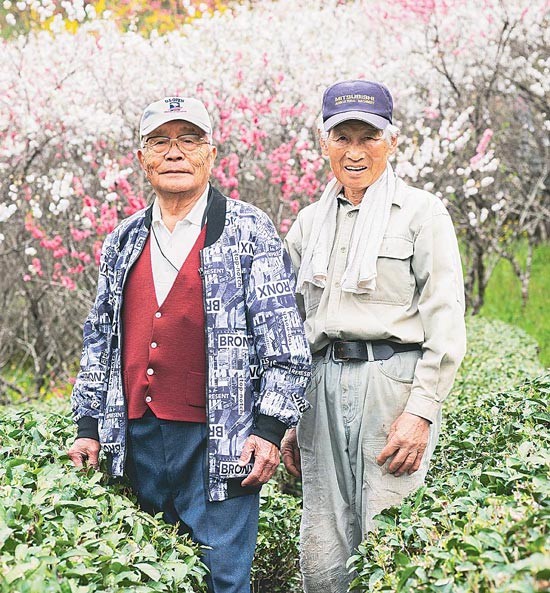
column 173, row 108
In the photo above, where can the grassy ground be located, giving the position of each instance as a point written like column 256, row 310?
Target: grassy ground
column 503, row 300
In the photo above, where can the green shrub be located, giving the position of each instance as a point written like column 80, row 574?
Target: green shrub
column 482, row 516
column 275, row 568
column 66, row 531
column 481, row 522
column 499, row 356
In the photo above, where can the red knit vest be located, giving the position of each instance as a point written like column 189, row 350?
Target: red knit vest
column 163, row 348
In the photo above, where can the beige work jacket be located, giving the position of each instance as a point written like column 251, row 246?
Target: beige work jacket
column 419, row 296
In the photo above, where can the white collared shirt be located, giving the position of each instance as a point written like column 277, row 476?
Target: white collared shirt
column 176, row 245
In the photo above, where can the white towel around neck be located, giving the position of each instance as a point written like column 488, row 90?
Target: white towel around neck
column 374, row 212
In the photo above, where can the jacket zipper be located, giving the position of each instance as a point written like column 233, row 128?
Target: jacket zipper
column 207, row 382
column 119, row 319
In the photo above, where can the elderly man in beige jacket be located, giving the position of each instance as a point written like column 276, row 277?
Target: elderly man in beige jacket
column 380, row 281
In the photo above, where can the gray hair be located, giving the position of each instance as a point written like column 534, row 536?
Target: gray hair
column 389, row 132
column 321, row 127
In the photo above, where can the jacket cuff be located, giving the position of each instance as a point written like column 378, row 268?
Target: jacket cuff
column 87, row 428
column 270, row 429
column 423, row 406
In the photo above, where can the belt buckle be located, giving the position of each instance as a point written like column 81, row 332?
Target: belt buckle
column 335, row 357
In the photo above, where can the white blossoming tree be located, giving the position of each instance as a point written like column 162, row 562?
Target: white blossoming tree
column 470, row 82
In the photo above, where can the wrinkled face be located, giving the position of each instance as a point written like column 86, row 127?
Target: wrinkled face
column 358, row 155
column 177, row 172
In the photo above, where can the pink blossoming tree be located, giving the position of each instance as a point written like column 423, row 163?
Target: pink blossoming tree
column 470, row 81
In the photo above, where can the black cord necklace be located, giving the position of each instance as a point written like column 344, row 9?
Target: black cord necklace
column 160, row 249
column 203, row 222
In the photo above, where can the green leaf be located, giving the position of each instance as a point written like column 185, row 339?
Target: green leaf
column 401, row 559
column 148, row 570
column 466, row 566
column 405, row 575
column 5, row 533
column 376, row 577
column 127, row 576
column 25, row 569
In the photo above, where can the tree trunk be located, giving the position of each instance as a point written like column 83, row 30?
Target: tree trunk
column 526, row 276
column 479, row 272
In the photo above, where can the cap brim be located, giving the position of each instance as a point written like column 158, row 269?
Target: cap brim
column 379, row 122
column 162, row 118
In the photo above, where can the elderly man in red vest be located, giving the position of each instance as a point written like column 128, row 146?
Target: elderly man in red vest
column 195, row 359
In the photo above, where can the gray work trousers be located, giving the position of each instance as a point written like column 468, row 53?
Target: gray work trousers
column 353, row 406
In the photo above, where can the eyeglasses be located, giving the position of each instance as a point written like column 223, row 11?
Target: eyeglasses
column 187, row 143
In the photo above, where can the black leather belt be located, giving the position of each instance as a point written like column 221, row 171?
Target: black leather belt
column 358, row 349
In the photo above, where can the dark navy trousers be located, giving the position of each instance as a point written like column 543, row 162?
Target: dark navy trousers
column 166, row 466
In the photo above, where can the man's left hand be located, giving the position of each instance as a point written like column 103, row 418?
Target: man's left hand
column 407, row 441
column 266, row 460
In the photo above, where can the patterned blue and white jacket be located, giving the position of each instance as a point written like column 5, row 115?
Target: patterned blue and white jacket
column 258, row 360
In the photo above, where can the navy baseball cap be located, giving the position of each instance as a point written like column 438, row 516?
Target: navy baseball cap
column 364, row 100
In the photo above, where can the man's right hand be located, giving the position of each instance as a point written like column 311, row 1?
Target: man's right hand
column 291, row 453
column 85, row 452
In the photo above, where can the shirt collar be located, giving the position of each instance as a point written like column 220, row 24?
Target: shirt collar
column 194, row 216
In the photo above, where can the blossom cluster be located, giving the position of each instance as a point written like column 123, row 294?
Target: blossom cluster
column 67, row 167
column 20, row 16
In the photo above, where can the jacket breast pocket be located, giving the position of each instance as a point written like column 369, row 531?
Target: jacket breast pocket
column 395, row 282
column 312, row 297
